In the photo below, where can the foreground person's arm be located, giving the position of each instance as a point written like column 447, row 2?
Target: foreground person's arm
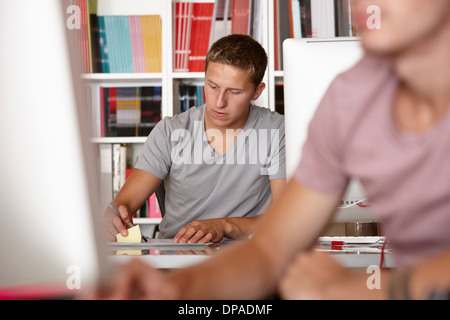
column 249, row 269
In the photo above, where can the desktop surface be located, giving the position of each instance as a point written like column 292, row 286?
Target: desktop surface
column 354, row 252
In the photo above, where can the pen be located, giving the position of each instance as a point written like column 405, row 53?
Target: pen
column 117, row 213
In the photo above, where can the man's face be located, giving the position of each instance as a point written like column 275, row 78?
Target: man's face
column 228, row 93
column 403, row 23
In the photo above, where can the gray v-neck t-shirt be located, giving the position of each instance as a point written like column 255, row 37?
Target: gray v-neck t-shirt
column 201, row 184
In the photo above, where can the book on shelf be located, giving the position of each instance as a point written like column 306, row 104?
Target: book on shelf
column 240, row 16
column 191, row 35
column 117, row 158
column 344, row 26
column 198, row 25
column 221, row 20
column 322, row 19
column 105, row 174
column 190, row 96
column 305, row 18
column 115, row 168
column 152, row 42
column 256, row 20
column 310, row 19
column 283, row 22
column 153, row 207
column 104, row 56
column 130, row 44
column 243, row 16
column 279, row 98
column 118, row 43
column 80, row 24
column 137, row 45
column 94, row 39
column 150, row 209
column 125, row 111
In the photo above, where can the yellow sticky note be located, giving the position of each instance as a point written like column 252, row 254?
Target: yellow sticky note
column 134, row 235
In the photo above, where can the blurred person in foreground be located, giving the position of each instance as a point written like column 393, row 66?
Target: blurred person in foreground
column 385, row 122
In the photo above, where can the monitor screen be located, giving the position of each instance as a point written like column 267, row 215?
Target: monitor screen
column 310, row 65
column 47, row 167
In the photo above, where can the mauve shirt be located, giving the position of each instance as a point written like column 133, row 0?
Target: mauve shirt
column 406, row 175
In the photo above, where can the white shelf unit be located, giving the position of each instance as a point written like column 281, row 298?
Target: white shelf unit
column 111, row 77
column 272, row 73
column 133, row 140
column 150, row 221
column 168, row 79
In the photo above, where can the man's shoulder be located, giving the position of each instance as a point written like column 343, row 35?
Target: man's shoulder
column 182, row 120
column 267, row 117
column 365, row 74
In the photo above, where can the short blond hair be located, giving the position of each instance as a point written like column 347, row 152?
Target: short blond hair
column 240, row 51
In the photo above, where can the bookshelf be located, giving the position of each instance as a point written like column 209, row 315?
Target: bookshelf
column 266, row 22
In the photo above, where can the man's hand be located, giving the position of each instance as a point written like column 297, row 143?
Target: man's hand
column 201, row 231
column 135, row 280
column 310, row 275
column 214, row 230
column 115, row 224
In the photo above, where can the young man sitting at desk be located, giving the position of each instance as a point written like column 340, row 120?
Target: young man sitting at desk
column 221, row 163
column 386, row 122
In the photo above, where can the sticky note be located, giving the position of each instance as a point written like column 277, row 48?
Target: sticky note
column 134, row 235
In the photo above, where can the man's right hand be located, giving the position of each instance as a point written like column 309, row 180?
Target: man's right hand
column 137, row 189
column 115, row 224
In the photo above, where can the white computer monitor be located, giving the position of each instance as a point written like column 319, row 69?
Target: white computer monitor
column 310, row 65
column 47, row 175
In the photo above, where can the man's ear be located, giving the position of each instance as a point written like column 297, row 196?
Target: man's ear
column 259, row 89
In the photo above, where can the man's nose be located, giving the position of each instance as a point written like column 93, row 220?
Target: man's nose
column 221, row 100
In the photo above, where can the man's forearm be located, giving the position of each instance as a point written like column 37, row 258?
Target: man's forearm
column 240, row 228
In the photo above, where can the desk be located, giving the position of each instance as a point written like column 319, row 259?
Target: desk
column 162, row 253
column 167, row 255
column 173, row 261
